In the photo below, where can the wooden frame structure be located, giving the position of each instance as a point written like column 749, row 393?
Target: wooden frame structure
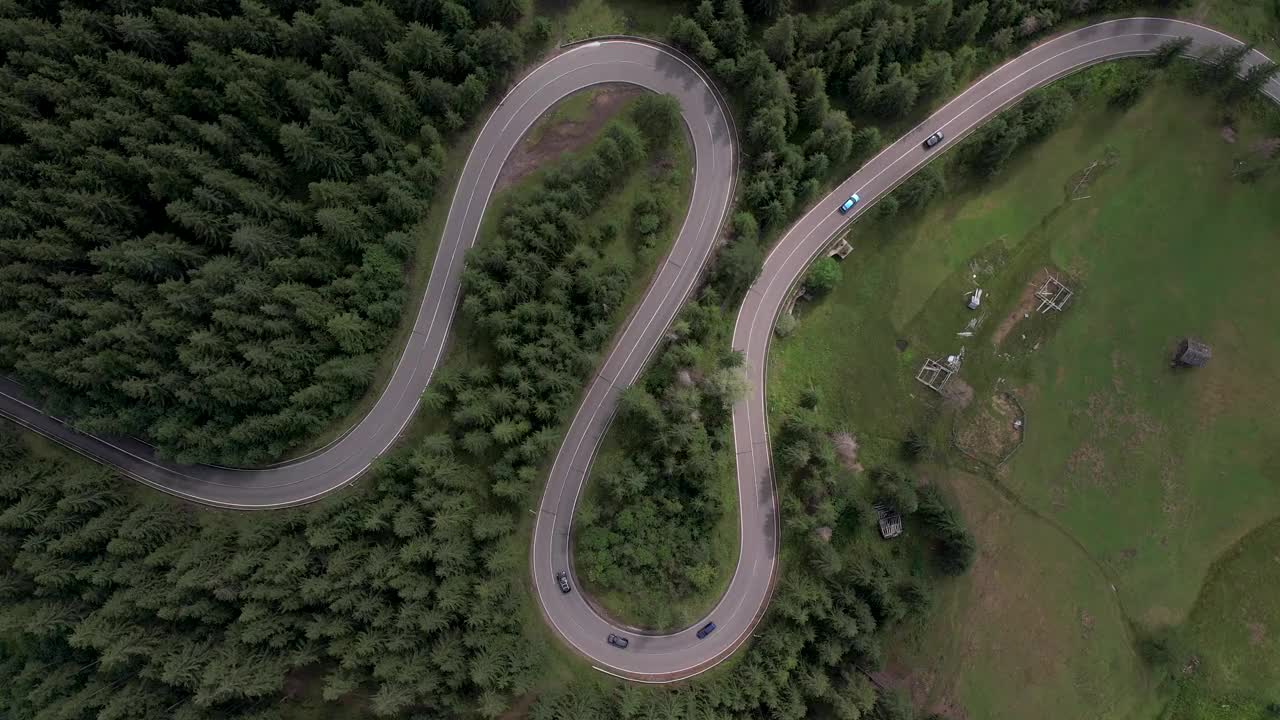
column 889, row 520
column 935, row 375
column 1053, row 295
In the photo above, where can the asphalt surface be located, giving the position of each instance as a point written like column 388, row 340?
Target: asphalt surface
column 650, row 658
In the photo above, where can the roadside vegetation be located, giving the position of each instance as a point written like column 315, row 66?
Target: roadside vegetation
column 1132, row 480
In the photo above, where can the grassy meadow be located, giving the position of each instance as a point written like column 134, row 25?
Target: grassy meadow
column 1132, row 479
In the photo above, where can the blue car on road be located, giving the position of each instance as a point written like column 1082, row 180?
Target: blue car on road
column 848, row 204
column 706, row 630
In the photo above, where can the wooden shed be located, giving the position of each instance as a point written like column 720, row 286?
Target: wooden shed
column 890, row 522
column 1191, row 353
column 890, row 525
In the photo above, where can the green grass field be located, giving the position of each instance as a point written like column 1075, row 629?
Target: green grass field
column 579, row 19
column 1130, row 475
column 1033, row 625
column 1234, row 630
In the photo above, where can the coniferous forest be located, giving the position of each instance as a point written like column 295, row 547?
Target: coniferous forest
column 206, row 206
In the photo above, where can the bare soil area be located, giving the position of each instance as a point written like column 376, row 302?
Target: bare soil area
column 957, row 394
column 552, row 136
column 1026, row 304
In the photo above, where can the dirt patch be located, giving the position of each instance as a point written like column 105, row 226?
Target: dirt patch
column 1113, row 416
column 1086, row 623
column 1225, row 386
column 1268, row 148
column 957, row 394
column 551, row 138
column 920, row 685
column 1026, row 303
column 1257, row 633
column 1028, row 393
column 1214, row 398
column 1228, row 134
column 1088, row 462
column 847, row 448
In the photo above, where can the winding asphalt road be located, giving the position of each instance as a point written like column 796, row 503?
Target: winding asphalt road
column 650, row 657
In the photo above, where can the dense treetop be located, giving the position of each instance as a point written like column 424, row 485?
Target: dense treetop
column 206, row 207
column 647, row 528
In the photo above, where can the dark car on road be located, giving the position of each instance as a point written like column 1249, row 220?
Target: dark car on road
column 563, row 579
column 618, row 641
column 706, row 630
column 933, row 139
